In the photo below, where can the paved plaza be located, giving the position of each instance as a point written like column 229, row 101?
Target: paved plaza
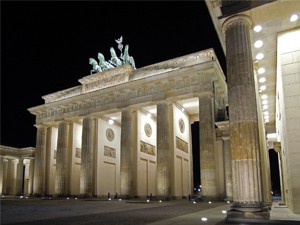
column 38, row 211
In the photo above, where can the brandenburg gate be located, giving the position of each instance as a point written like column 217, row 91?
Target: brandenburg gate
column 128, row 131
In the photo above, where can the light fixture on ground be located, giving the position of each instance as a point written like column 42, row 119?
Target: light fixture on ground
column 294, row 17
column 259, row 56
column 265, row 107
column 262, row 80
column 261, row 70
column 257, row 28
column 258, row 43
column 264, row 97
column 263, row 87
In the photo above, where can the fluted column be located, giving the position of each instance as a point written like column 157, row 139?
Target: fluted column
column 128, row 165
column 19, row 183
column 244, row 134
column 87, row 151
column 207, row 147
column 61, row 159
column 5, row 176
column 165, row 150
column 40, row 161
column 31, row 176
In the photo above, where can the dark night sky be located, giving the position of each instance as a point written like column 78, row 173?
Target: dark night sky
column 45, row 47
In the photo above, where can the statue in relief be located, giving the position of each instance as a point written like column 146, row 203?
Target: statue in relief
column 114, row 60
column 124, row 59
column 120, row 45
column 96, row 67
column 103, row 64
column 128, row 59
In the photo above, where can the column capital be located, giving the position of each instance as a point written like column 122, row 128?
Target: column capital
column 277, row 146
column 235, row 19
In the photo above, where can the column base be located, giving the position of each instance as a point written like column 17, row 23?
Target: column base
column 85, row 196
column 250, row 212
column 243, row 216
column 38, row 195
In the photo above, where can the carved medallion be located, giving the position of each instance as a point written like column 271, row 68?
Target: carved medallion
column 110, row 135
column 148, row 129
column 181, row 125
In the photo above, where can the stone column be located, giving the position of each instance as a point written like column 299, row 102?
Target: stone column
column 165, row 150
column 87, row 151
column 19, row 183
column 5, row 176
column 61, row 159
column 40, row 161
column 31, row 176
column 244, row 134
column 207, row 148
column 128, row 165
column 227, row 168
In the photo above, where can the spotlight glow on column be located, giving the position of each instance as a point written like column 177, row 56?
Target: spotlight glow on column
column 148, row 115
column 264, row 102
column 111, row 122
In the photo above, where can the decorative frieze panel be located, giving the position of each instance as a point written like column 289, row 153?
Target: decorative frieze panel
column 109, row 152
column 147, row 148
column 182, row 145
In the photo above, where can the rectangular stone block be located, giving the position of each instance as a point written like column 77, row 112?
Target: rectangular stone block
column 238, row 216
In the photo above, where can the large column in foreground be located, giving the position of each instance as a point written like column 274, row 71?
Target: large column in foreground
column 244, row 134
column 40, row 161
column 207, row 148
column 87, row 152
column 165, row 150
column 61, row 159
column 128, row 165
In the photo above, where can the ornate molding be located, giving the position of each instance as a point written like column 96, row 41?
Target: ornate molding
column 147, row 148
